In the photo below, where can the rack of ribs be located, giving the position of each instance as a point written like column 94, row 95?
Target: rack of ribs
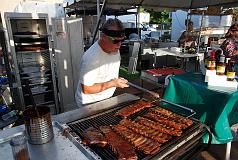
column 93, row 136
column 144, row 144
column 133, row 108
column 178, row 118
column 158, row 126
column 163, row 120
column 146, row 131
column 122, row 148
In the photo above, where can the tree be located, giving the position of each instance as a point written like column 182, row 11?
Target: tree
column 159, row 17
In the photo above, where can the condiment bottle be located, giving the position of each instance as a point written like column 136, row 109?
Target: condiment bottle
column 221, row 66
column 207, row 56
column 227, row 63
column 211, row 61
column 19, row 148
column 218, row 53
column 231, row 72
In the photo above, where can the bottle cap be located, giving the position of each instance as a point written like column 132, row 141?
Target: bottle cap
column 222, row 58
column 18, row 140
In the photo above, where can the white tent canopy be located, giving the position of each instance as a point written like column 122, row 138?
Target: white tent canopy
column 153, row 4
column 156, row 5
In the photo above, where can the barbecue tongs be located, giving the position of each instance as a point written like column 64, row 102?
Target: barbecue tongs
column 156, row 95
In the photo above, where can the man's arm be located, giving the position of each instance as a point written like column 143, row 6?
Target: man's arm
column 99, row 87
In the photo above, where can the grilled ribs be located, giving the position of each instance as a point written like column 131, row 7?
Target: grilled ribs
column 93, row 136
column 146, row 131
column 144, row 144
column 158, row 126
column 163, row 120
column 178, row 118
column 122, row 148
column 131, row 109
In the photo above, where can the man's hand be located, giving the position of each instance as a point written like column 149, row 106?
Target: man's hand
column 99, row 87
column 120, row 82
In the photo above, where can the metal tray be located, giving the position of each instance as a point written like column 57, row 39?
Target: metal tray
column 59, row 148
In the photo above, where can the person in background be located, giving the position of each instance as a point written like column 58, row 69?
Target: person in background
column 230, row 45
column 228, row 33
column 99, row 68
column 188, row 37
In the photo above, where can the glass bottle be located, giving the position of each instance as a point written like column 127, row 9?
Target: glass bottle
column 19, row 148
column 207, row 56
column 227, row 63
column 221, row 66
column 231, row 72
column 218, row 53
column 211, row 61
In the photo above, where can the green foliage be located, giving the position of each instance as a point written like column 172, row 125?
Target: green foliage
column 158, row 17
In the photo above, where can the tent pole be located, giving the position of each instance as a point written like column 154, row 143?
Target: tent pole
column 98, row 12
column 187, row 21
column 138, row 21
column 98, row 9
column 98, row 21
column 199, row 37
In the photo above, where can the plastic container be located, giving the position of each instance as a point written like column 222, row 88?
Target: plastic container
column 5, row 117
column 234, row 130
column 19, row 148
column 3, row 109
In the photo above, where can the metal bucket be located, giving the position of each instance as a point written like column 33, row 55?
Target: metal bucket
column 39, row 128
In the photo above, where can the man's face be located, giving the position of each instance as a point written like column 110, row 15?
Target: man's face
column 112, row 44
column 190, row 26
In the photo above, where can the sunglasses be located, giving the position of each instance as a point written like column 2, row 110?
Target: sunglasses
column 115, row 41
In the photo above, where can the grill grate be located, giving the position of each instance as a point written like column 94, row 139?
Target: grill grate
column 108, row 118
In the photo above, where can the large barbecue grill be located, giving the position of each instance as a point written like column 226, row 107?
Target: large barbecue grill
column 187, row 145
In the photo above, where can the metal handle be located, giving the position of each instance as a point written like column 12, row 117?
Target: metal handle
column 162, row 100
column 180, row 106
column 144, row 90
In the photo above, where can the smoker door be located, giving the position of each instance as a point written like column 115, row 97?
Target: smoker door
column 32, row 60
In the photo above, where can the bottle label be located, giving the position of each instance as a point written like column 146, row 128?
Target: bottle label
column 221, row 69
column 230, row 74
column 211, row 64
column 222, row 59
column 206, row 62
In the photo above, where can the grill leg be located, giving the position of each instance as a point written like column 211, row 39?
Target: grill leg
column 228, row 151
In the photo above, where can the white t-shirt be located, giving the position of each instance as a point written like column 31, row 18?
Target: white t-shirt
column 97, row 66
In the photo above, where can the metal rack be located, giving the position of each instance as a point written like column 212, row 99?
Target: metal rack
column 32, row 59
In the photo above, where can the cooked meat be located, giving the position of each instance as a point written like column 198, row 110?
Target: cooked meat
column 131, row 109
column 158, row 126
column 144, row 144
column 122, row 148
column 178, row 118
column 93, row 136
column 163, row 120
column 146, row 131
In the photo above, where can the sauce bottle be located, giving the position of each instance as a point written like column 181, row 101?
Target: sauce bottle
column 218, row 53
column 211, row 61
column 227, row 63
column 221, row 66
column 207, row 56
column 231, row 72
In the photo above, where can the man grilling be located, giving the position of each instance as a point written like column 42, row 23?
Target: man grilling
column 100, row 64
